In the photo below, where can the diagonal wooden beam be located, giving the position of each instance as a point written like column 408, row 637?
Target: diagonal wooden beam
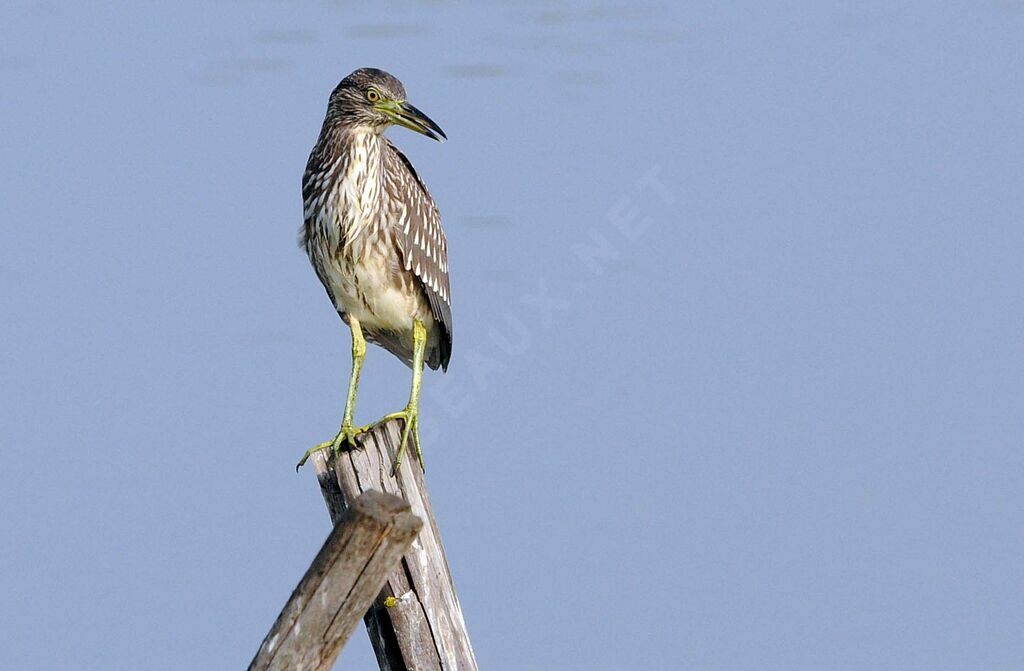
column 340, row 585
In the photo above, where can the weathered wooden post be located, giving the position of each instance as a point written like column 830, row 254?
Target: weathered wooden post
column 416, row 621
column 361, row 551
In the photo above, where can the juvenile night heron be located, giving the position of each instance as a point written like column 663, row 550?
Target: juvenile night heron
column 373, row 235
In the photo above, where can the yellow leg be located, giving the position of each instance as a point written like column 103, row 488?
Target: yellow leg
column 358, row 354
column 348, row 431
column 411, row 414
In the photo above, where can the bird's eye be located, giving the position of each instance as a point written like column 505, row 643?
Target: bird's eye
column 373, row 95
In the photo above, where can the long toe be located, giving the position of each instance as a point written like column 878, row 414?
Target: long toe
column 416, row 439
column 402, row 445
column 310, row 451
column 345, row 439
column 410, row 429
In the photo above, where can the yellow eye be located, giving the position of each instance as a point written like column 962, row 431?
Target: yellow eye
column 373, row 95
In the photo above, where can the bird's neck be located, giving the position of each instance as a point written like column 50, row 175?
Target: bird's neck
column 357, row 163
column 362, row 150
column 361, row 137
column 341, row 137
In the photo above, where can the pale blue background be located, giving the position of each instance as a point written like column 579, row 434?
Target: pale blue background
column 781, row 429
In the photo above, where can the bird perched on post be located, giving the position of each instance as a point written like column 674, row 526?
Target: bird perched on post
column 373, row 235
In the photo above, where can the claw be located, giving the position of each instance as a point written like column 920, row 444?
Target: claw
column 411, row 424
column 347, row 434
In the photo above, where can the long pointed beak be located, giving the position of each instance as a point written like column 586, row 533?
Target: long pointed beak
column 404, row 114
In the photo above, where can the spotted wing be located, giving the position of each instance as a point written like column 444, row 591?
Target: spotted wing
column 422, row 245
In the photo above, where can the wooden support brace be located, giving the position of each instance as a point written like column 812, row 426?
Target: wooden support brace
column 365, row 546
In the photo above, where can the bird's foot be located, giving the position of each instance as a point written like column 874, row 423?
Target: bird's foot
column 347, row 434
column 410, row 426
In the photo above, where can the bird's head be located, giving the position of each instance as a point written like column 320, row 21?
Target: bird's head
column 373, row 99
